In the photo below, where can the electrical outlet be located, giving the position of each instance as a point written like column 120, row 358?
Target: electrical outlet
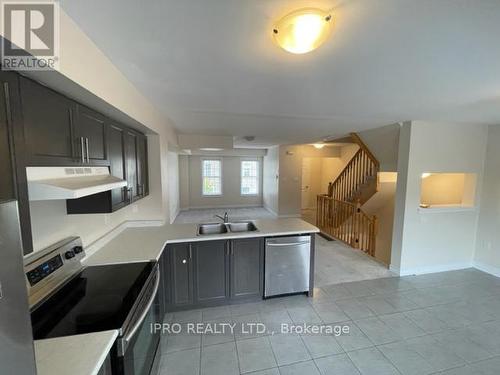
column 135, row 209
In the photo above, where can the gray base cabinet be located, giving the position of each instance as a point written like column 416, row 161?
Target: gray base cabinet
column 212, row 273
column 246, row 268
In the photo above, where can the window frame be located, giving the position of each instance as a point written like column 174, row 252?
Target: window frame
column 203, row 177
column 258, row 176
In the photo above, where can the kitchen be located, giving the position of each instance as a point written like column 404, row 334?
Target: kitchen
column 111, row 298
column 157, row 164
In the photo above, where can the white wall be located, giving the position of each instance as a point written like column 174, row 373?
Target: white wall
column 231, row 176
column 86, row 74
column 487, row 256
column 271, row 179
column 425, row 241
column 184, row 181
column 173, row 185
column 383, row 144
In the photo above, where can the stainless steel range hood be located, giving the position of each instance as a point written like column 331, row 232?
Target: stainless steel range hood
column 51, row 183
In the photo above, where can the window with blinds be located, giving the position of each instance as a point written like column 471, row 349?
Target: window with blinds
column 212, row 177
column 249, row 177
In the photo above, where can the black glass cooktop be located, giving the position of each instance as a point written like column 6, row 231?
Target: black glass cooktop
column 98, row 299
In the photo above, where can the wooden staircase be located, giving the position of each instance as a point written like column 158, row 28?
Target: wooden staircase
column 339, row 213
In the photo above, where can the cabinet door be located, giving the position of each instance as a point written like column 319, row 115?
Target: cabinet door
column 247, row 264
column 13, row 183
column 116, row 153
column 181, row 274
column 142, row 166
column 131, row 164
column 48, row 123
column 91, row 126
column 210, row 272
column 7, row 181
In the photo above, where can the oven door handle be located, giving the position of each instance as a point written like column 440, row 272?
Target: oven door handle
column 130, row 335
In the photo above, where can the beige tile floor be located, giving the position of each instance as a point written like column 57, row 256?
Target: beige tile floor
column 443, row 323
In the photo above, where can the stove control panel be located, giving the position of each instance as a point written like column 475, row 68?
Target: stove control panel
column 43, row 270
column 49, row 268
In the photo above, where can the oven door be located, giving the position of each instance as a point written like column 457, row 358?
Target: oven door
column 136, row 352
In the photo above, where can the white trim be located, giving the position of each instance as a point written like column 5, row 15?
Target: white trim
column 449, row 209
column 174, row 216
column 270, row 210
column 256, row 205
column 430, row 269
column 221, row 177
column 106, row 238
column 495, row 271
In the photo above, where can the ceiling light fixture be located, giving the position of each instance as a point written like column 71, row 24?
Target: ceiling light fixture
column 303, row 30
column 319, row 146
column 425, row 175
column 211, row 149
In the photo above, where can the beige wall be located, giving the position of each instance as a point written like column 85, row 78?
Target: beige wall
column 290, row 174
column 425, row 241
column 443, row 189
column 323, row 170
column 231, row 196
column 87, row 75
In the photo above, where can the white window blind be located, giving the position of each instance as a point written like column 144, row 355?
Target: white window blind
column 212, row 177
column 249, row 177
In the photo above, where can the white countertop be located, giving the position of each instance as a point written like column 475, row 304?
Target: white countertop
column 75, row 355
column 147, row 243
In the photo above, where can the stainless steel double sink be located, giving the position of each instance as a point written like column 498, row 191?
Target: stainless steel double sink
column 221, row 228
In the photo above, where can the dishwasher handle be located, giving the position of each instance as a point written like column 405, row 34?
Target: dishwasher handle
column 277, row 244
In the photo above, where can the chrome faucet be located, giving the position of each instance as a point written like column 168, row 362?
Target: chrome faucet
column 224, row 218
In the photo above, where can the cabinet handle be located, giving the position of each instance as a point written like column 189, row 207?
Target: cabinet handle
column 82, row 149
column 87, row 150
column 190, row 252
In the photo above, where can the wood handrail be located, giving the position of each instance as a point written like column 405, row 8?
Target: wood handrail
column 363, row 146
column 347, row 165
column 347, row 222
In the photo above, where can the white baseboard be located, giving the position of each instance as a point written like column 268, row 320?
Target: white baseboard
column 103, row 240
column 222, row 207
column 430, row 269
column 495, row 271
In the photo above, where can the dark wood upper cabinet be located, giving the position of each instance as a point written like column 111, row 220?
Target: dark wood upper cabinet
column 7, row 181
column 116, row 151
column 91, row 132
column 142, row 166
column 126, row 151
column 50, row 133
column 13, row 183
column 131, row 164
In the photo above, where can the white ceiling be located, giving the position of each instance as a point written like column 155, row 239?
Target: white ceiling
column 213, row 68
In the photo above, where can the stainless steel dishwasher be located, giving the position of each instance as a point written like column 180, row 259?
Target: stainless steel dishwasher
column 287, row 265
